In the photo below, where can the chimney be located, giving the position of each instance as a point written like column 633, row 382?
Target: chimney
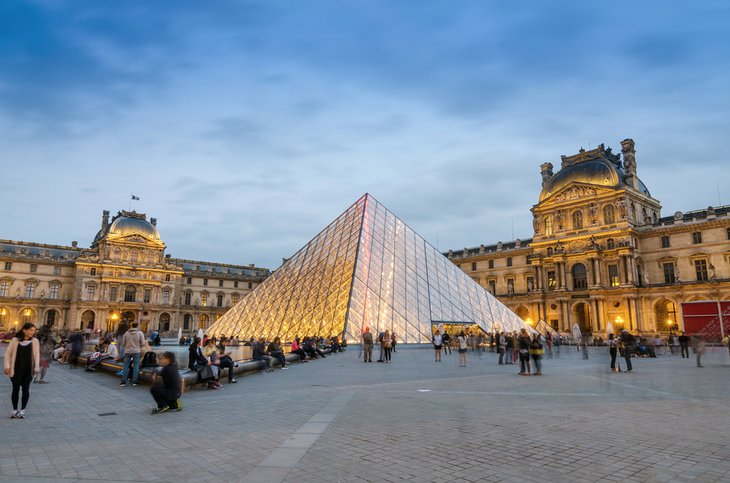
column 628, row 151
column 546, row 170
column 153, row 221
column 104, row 220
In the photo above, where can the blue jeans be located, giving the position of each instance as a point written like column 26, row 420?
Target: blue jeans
column 125, row 367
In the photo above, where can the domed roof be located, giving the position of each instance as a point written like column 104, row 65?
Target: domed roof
column 596, row 172
column 133, row 225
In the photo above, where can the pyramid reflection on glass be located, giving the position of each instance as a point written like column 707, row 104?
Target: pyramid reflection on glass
column 366, row 269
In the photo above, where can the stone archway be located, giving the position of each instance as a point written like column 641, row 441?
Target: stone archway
column 523, row 312
column 51, row 317
column 88, row 318
column 581, row 315
column 665, row 316
column 164, row 322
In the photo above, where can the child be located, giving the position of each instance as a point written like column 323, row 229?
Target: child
column 167, row 396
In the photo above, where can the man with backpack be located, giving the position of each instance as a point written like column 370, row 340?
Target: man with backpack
column 367, row 345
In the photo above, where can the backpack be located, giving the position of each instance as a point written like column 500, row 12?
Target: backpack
column 368, row 338
column 149, row 359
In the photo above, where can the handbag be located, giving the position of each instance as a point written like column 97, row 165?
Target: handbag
column 206, row 372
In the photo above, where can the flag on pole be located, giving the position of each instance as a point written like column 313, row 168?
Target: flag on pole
column 135, row 197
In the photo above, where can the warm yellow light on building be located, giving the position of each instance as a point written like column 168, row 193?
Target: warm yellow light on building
column 619, row 320
column 528, row 321
column 27, row 312
column 114, row 316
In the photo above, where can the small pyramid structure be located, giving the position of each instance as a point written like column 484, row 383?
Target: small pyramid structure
column 366, row 269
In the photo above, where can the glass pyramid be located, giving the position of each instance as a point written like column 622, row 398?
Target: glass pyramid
column 366, row 269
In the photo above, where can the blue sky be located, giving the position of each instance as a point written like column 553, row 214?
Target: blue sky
column 246, row 126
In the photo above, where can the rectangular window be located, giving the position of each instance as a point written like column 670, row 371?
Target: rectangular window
column 4, row 288
column 205, row 281
column 57, row 270
column 220, row 300
column 613, row 278
column 234, row 298
column 493, row 287
column 701, row 270
column 8, row 265
column 669, row 276
column 188, row 296
column 204, row 299
column 33, row 268
column 166, row 297
column 90, row 292
column 509, row 261
column 491, row 263
column 93, row 271
column 54, row 291
column 220, row 283
column 147, row 295
column 113, row 292
column 190, row 280
column 697, row 237
column 610, row 244
column 728, row 233
column 167, row 277
column 250, row 285
column 552, row 280
column 29, row 291
column 473, row 266
column 665, row 241
column 235, row 284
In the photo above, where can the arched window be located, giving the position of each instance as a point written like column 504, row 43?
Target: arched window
column 577, row 220
column 609, row 215
column 164, row 321
column 203, row 321
column 27, row 315
column 130, row 293
column 4, row 317
column 610, row 244
column 548, row 225
column 580, row 277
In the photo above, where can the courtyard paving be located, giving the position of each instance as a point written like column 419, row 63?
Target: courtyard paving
column 339, row 419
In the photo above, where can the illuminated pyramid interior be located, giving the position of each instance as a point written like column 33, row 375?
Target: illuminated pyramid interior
column 366, row 269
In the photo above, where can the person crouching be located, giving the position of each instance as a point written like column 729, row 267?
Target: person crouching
column 167, row 396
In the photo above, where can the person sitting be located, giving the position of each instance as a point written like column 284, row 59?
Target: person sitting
column 199, row 363
column 226, row 361
column 211, row 351
column 108, row 351
column 335, row 344
column 168, row 395
column 259, row 354
column 296, row 348
column 277, row 352
column 309, row 345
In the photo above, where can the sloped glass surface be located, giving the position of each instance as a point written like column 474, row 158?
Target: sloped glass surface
column 366, row 269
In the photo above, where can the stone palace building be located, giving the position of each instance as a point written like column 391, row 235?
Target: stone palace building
column 124, row 275
column 601, row 252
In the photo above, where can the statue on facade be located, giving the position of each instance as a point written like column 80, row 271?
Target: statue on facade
column 560, row 218
column 628, row 151
column 593, row 213
column 536, row 224
column 546, row 170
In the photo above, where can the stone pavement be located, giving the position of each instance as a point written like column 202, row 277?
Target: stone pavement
column 339, row 419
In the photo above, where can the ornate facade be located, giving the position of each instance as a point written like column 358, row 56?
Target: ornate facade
column 602, row 253
column 124, row 275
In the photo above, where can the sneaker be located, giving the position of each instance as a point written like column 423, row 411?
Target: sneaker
column 178, row 405
column 135, row 384
column 232, row 381
column 14, row 414
column 235, row 364
column 160, row 410
column 122, row 384
column 21, row 414
column 285, row 367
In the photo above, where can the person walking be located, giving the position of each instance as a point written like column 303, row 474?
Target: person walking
column 629, row 343
column 508, row 347
column 698, row 347
column 446, row 338
column 524, row 350
column 500, row 342
column 380, row 343
column 536, row 353
column 463, row 342
column 22, row 360
column 613, row 343
column 387, row 346
column 684, row 345
column 367, row 345
column 47, row 345
column 132, row 342
column 437, row 344
column 167, row 396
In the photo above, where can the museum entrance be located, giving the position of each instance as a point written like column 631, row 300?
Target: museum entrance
column 582, row 317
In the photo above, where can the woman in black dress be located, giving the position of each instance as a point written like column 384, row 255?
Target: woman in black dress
column 22, row 360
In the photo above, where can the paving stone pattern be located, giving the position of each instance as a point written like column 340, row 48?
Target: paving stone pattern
column 339, row 419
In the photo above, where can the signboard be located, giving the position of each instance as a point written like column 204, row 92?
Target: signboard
column 710, row 318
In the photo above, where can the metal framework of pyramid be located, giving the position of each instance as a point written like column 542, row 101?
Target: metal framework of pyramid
column 366, row 269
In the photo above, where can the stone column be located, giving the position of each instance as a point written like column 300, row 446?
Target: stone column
column 560, row 272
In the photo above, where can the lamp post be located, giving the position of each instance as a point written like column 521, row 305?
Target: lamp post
column 670, row 324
